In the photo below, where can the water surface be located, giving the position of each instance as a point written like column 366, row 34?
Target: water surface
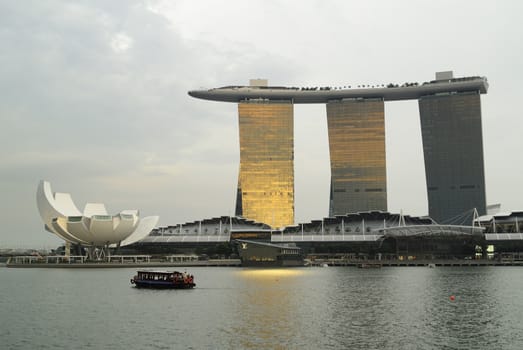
column 237, row 308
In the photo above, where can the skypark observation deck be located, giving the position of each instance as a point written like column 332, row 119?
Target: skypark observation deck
column 324, row 94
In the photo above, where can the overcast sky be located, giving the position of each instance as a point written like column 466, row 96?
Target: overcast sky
column 94, row 97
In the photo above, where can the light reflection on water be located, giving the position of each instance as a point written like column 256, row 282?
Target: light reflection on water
column 265, row 308
column 300, row 308
column 267, row 273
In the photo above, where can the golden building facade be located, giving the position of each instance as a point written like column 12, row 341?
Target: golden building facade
column 266, row 179
column 357, row 155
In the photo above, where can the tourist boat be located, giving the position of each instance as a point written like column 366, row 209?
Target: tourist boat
column 163, row 280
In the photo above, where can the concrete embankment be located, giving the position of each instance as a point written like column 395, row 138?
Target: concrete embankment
column 407, row 263
column 237, row 263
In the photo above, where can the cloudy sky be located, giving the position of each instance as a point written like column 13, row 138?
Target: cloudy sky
column 94, row 97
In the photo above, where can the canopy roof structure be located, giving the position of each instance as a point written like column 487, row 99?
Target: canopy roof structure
column 93, row 227
column 434, row 230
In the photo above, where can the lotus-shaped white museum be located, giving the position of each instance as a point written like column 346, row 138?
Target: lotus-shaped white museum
column 94, row 227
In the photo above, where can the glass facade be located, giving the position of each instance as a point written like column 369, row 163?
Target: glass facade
column 357, row 155
column 266, row 179
column 453, row 152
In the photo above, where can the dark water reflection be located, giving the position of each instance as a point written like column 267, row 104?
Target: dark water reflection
column 308, row 308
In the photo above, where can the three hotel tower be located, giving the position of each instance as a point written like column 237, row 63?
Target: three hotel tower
column 450, row 114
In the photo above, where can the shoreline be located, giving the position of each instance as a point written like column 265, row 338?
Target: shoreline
column 420, row 263
column 237, row 263
column 152, row 264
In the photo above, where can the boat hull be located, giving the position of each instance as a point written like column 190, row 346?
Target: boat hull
column 162, row 284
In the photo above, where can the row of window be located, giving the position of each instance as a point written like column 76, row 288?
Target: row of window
column 336, row 230
column 290, row 194
column 461, row 187
column 358, row 190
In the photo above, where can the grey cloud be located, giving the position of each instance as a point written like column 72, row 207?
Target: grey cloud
column 87, row 117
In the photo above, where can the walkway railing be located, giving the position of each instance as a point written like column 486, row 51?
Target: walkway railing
column 76, row 259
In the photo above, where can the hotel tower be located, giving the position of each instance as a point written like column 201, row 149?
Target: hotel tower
column 266, row 179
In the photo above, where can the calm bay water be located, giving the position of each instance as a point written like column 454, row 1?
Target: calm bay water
column 235, row 308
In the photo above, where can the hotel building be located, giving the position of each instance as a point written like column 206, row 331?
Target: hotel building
column 450, row 112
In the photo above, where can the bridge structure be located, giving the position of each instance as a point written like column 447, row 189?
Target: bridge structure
column 450, row 115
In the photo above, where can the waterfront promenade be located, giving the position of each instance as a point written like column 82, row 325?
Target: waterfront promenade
column 113, row 262
column 145, row 261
